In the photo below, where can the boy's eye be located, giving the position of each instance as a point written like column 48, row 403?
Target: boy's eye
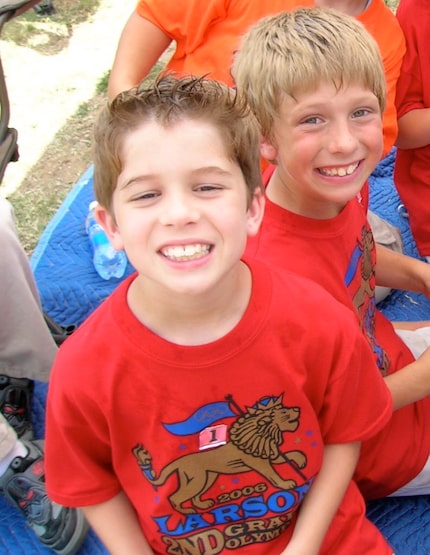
column 311, row 120
column 149, row 195
column 360, row 113
column 207, row 187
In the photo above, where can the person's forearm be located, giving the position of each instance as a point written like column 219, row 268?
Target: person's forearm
column 414, row 129
column 116, row 524
column 399, row 271
column 323, row 499
column 411, row 383
column 140, row 46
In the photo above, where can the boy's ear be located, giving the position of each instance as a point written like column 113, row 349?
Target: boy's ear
column 268, row 150
column 255, row 212
column 107, row 221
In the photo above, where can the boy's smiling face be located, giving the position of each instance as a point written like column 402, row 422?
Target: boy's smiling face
column 181, row 207
column 326, row 143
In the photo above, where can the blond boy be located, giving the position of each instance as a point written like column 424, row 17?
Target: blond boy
column 315, row 81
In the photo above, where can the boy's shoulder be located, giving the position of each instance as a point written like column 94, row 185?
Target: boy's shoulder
column 371, row 19
column 408, row 11
column 294, row 296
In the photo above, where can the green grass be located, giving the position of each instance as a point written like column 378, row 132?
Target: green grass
column 392, row 4
column 102, row 84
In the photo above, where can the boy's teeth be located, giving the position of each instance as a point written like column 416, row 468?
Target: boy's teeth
column 185, row 252
column 340, row 172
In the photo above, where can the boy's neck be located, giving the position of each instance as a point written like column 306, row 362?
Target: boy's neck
column 192, row 320
column 349, row 7
column 285, row 196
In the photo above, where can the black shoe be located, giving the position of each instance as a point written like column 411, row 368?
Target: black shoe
column 23, row 484
column 58, row 332
column 45, row 7
column 16, row 396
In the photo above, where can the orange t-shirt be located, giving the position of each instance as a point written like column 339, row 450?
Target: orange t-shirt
column 208, row 32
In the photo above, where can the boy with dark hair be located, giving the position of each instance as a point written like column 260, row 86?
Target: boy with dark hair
column 207, row 406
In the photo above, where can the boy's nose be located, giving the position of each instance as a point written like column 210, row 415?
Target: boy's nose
column 178, row 209
column 341, row 138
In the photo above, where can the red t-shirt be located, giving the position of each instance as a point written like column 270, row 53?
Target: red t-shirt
column 339, row 254
column 412, row 166
column 216, row 445
column 207, row 33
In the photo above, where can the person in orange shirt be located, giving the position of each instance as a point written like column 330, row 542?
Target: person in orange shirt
column 207, row 34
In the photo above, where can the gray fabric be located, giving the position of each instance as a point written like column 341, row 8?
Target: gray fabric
column 27, row 349
column 384, row 233
column 10, row 5
column 388, row 236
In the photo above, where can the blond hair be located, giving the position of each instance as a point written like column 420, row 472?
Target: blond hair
column 296, row 51
column 169, row 100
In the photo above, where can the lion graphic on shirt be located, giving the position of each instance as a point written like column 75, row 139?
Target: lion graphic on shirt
column 255, row 438
column 367, row 270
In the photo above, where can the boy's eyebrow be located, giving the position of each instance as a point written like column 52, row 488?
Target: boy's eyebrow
column 131, row 180
column 214, row 170
column 210, row 169
column 356, row 101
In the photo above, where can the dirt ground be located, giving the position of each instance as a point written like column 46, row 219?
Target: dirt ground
column 56, row 82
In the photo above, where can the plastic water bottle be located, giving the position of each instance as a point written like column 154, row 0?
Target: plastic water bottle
column 108, row 262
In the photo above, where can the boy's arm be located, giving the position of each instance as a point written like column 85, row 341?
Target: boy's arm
column 399, row 271
column 414, row 129
column 323, row 499
column 411, row 383
column 116, row 524
column 139, row 48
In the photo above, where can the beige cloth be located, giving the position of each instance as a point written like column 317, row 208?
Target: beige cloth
column 385, row 233
column 27, row 349
column 389, row 236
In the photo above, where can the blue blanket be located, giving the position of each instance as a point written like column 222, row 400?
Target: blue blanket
column 71, row 289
